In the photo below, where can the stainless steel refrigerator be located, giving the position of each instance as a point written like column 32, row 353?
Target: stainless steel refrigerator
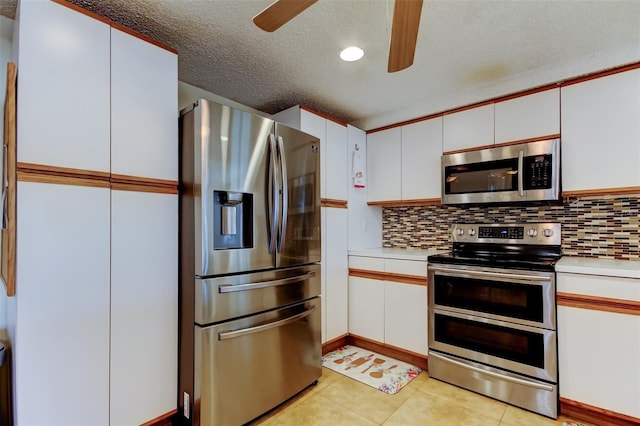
column 249, row 264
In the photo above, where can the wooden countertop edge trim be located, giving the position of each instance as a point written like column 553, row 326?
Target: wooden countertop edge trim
column 596, row 303
column 333, row 203
column 544, row 88
column 596, row 415
column 62, row 179
column 388, row 276
column 46, row 170
column 400, row 203
column 115, row 25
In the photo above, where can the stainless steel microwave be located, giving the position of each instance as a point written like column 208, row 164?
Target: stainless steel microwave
column 508, row 174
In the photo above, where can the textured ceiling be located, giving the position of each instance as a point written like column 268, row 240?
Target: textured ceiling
column 467, row 51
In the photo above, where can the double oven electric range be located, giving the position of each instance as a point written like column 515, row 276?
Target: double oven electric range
column 492, row 313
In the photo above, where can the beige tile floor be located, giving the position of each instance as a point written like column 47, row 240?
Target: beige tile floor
column 338, row 400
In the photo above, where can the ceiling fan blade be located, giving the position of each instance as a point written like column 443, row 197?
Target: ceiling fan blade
column 404, row 33
column 280, row 12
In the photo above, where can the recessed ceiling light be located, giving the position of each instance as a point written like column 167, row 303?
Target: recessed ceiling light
column 351, row 54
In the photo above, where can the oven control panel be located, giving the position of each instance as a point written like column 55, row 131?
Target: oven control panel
column 547, row 233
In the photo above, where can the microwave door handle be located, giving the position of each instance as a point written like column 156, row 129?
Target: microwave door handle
column 521, row 173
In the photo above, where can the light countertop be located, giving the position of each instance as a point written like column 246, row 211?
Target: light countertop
column 607, row 267
column 395, row 253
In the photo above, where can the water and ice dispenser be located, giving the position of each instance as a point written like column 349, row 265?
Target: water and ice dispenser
column 233, row 220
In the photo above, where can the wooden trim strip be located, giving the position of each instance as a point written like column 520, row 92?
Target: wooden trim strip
column 388, row 276
column 596, row 303
column 323, row 115
column 142, row 184
column 115, row 25
column 163, row 420
column 41, row 169
column 8, row 266
column 62, row 180
column 398, row 203
column 331, row 203
column 333, row 344
column 502, row 144
column 601, row 191
column 595, row 415
column 562, row 83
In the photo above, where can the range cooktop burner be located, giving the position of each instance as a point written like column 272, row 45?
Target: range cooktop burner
column 530, row 246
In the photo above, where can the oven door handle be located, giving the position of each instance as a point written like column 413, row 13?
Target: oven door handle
column 488, row 274
column 516, row 380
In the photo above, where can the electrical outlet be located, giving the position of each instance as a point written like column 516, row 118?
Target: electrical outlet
column 185, row 402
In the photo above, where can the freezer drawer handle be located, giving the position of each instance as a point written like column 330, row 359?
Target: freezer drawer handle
column 226, row 335
column 492, row 374
column 230, row 288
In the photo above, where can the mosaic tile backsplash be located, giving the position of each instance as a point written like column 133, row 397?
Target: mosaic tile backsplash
column 607, row 227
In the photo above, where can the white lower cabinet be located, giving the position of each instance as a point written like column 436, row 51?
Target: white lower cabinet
column 366, row 308
column 61, row 346
column 390, row 312
column 405, row 316
column 599, row 351
column 335, row 273
column 144, row 314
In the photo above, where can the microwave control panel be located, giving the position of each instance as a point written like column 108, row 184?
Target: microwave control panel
column 538, row 171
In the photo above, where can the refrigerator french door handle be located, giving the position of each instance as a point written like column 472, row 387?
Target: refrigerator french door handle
column 273, row 199
column 226, row 335
column 521, row 173
column 285, row 194
column 230, row 288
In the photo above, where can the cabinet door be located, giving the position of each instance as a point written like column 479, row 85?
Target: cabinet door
column 466, row 129
column 528, row 116
column 366, row 308
column 600, row 133
column 63, row 88
column 384, row 158
column 144, row 108
column 421, row 153
column 337, row 273
column 586, row 341
column 61, row 348
column 336, row 161
column 405, row 316
column 144, row 305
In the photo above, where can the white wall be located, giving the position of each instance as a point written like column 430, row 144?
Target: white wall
column 365, row 222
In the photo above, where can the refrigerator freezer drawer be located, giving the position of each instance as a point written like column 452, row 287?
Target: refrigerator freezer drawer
column 245, row 367
column 223, row 298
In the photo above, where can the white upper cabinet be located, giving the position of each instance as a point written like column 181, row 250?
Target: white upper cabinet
column 601, row 133
column 384, row 165
column 468, row 129
column 144, row 108
column 527, row 117
column 421, row 151
column 336, row 167
column 63, row 112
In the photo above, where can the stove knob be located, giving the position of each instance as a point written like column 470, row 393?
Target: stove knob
column 472, row 232
column 548, row 232
column 460, row 231
column 532, row 233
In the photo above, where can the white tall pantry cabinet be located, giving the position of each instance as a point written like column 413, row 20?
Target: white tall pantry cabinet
column 96, row 282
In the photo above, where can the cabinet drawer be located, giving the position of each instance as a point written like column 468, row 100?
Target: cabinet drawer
column 367, row 263
column 406, row 267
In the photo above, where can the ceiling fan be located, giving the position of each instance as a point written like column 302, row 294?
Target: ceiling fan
column 404, row 30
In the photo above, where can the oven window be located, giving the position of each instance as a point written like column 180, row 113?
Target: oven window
column 489, row 176
column 507, row 343
column 493, row 297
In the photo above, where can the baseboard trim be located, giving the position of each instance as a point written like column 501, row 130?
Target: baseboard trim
column 163, row 420
column 599, row 416
column 418, row 360
column 333, row 344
